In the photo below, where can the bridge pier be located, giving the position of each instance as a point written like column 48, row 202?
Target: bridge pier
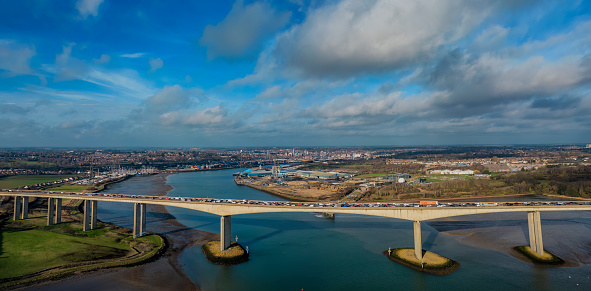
column 225, row 232
column 86, row 215
column 94, row 209
column 25, row 207
column 17, row 208
column 50, row 211
column 143, row 220
column 90, row 209
column 534, row 225
column 139, row 220
column 58, row 210
column 418, row 242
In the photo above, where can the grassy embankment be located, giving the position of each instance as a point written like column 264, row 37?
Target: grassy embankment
column 32, row 251
column 546, row 259
column 14, row 182
column 433, row 263
column 70, row 188
column 234, row 255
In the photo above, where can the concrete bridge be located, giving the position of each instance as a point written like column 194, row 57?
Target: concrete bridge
column 226, row 210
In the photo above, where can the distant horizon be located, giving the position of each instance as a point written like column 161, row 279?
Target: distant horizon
column 291, row 147
column 251, row 73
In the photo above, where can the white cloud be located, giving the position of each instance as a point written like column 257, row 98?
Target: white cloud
column 170, row 97
column 155, row 64
column 352, row 36
column 491, row 38
column 103, row 59
column 74, row 124
column 207, row 116
column 88, row 7
column 480, row 82
column 243, row 30
column 271, row 92
column 133, row 56
column 124, row 82
column 68, row 67
column 575, row 40
column 15, row 58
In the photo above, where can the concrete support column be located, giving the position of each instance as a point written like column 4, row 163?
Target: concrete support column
column 136, row 220
column 418, row 242
column 93, row 206
column 531, row 228
column 87, row 211
column 534, row 225
column 538, row 233
column 58, row 210
column 50, row 210
column 226, row 232
column 25, row 209
column 17, row 208
column 143, row 219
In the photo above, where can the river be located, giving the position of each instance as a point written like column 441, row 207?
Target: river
column 294, row 251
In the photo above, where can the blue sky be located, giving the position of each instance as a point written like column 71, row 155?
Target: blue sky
column 105, row 73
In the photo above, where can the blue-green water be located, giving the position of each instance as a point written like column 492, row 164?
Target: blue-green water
column 294, row 251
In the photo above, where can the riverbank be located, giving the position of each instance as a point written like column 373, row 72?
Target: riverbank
column 316, row 195
column 166, row 273
column 308, row 195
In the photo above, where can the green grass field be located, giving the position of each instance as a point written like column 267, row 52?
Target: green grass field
column 32, row 250
column 70, row 187
column 13, row 182
column 28, row 246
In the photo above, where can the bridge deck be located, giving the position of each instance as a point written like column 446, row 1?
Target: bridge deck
column 224, row 209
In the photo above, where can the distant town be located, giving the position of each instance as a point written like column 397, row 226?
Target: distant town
column 322, row 173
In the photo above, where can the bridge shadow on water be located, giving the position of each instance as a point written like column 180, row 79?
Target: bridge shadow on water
column 322, row 223
column 263, row 237
column 443, row 226
column 176, row 230
column 553, row 222
column 430, row 240
column 159, row 216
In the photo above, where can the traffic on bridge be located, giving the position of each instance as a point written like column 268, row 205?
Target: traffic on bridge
column 428, row 203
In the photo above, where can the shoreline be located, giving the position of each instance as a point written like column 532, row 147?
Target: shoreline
column 450, row 199
column 293, row 198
